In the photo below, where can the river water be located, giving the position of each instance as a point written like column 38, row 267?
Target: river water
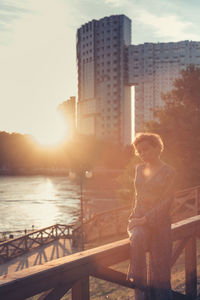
column 36, row 200
column 39, row 201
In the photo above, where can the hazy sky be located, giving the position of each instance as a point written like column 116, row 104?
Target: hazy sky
column 38, row 51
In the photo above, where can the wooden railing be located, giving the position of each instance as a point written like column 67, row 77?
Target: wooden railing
column 18, row 246
column 187, row 201
column 113, row 223
column 108, row 224
column 55, row 278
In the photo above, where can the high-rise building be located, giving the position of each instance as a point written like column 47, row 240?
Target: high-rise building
column 108, row 65
column 152, row 69
column 104, row 98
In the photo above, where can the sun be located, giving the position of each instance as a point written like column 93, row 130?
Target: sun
column 53, row 132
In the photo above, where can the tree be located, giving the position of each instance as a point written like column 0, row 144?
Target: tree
column 178, row 122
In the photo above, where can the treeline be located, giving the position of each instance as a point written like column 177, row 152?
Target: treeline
column 178, row 122
column 21, row 152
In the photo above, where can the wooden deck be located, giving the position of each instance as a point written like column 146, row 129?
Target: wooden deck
column 55, row 278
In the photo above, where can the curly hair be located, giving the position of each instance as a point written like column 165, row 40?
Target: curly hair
column 152, row 138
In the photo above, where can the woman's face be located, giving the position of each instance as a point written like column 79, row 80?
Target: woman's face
column 147, row 152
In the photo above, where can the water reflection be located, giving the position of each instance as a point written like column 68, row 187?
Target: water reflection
column 46, row 190
column 46, row 200
column 36, row 200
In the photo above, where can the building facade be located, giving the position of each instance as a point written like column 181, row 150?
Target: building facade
column 109, row 66
column 104, row 99
column 152, row 69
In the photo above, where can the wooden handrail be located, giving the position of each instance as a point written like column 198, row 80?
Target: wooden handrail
column 55, row 278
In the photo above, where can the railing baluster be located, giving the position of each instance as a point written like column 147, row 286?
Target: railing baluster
column 56, row 228
column 80, row 290
column 41, row 233
column 191, row 268
column 25, row 243
column 7, row 250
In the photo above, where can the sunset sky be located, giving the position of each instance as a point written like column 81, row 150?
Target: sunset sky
column 38, row 51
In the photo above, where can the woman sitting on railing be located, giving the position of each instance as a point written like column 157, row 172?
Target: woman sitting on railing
column 149, row 224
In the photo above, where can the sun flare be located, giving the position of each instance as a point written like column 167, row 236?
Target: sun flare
column 52, row 133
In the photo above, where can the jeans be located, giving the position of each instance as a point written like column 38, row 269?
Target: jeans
column 152, row 280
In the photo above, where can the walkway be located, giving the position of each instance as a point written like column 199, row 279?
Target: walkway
column 56, row 249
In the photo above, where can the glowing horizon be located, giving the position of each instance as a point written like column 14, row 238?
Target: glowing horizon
column 38, row 52
column 54, row 133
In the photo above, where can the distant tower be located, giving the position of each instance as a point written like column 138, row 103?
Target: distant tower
column 68, row 109
column 104, row 98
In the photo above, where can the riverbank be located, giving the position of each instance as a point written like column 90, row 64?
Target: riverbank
column 55, row 171
column 35, row 171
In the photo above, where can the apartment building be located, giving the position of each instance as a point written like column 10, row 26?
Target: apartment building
column 152, row 68
column 109, row 66
column 104, row 98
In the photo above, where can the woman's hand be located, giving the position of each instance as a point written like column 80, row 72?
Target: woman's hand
column 136, row 222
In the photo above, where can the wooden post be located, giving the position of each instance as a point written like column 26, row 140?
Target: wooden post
column 191, row 268
column 56, row 228
column 25, row 243
column 41, row 236
column 81, row 290
column 7, row 250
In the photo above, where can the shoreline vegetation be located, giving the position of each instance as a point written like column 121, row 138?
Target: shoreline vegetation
column 54, row 171
column 36, row 171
